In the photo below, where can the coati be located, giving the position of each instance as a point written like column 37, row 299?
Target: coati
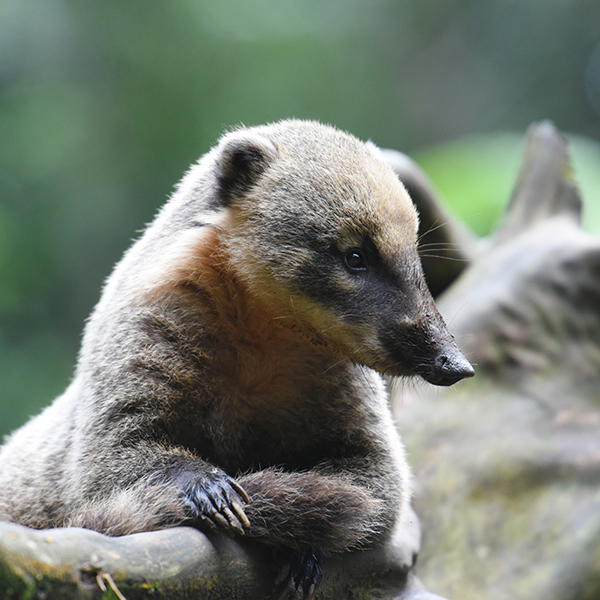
column 230, row 376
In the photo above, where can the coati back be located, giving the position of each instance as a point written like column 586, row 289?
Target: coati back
column 227, row 377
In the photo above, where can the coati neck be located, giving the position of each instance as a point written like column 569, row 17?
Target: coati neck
column 258, row 349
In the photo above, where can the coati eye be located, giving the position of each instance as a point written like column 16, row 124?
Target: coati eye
column 355, row 261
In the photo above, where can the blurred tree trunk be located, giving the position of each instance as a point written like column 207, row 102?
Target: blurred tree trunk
column 507, row 465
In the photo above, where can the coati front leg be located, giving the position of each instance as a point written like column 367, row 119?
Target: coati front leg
column 303, row 515
column 212, row 501
column 309, row 515
column 312, row 511
column 171, row 488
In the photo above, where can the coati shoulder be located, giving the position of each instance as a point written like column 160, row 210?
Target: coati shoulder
column 230, row 376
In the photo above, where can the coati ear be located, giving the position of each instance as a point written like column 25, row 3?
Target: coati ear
column 243, row 157
column 373, row 149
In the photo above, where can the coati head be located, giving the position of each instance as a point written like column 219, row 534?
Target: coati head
column 320, row 229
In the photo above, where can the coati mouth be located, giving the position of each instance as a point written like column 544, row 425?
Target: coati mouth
column 448, row 369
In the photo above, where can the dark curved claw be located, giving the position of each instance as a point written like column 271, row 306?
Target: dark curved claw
column 299, row 576
column 216, row 500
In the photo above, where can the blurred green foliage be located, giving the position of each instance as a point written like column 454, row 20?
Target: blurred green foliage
column 103, row 105
column 475, row 174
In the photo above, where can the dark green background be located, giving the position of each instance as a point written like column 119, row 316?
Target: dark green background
column 103, row 105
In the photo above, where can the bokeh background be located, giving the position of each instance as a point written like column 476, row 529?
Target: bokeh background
column 103, row 105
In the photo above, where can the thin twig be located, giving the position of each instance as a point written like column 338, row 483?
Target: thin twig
column 102, row 577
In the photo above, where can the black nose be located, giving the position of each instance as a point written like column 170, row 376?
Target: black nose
column 449, row 368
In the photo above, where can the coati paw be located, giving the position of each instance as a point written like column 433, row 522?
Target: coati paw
column 215, row 500
column 299, row 576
